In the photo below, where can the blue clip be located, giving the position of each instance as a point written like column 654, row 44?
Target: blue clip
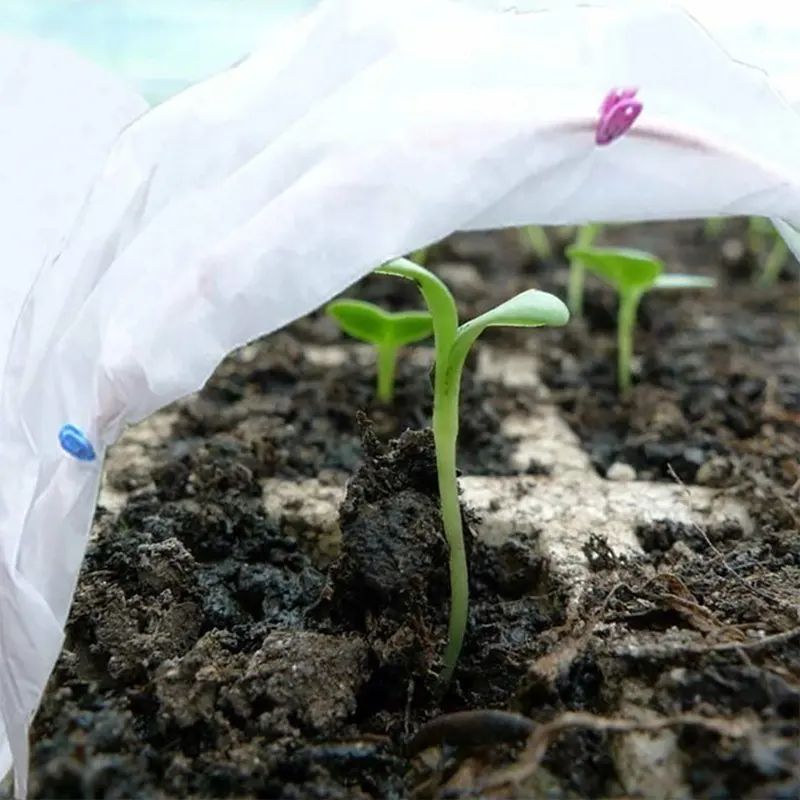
column 73, row 441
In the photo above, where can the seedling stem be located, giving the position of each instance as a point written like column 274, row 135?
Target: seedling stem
column 628, row 306
column 538, row 242
column 452, row 344
column 577, row 270
column 631, row 273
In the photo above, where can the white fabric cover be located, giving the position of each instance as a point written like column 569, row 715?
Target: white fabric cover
column 370, row 130
column 60, row 117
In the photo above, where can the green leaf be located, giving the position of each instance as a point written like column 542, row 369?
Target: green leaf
column 625, row 269
column 760, row 225
column 371, row 323
column 410, row 326
column 436, row 294
column 674, row 280
column 530, row 309
column 361, row 320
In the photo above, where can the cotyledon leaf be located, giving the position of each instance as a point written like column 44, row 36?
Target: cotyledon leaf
column 624, row 268
column 408, row 327
column 529, row 309
column 360, row 319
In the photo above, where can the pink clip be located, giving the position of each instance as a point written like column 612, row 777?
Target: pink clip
column 617, row 113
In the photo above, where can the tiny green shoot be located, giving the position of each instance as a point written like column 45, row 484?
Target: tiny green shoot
column 535, row 240
column 420, row 256
column 713, row 227
column 585, row 237
column 388, row 331
column 763, row 237
column 776, row 260
column 452, row 344
column 632, row 273
column 759, row 230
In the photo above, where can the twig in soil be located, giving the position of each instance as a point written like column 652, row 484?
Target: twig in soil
column 679, row 598
column 544, row 735
column 409, row 700
column 470, row 729
column 757, row 644
column 770, row 598
column 721, row 647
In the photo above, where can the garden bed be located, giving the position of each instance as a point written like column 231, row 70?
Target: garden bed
column 264, row 603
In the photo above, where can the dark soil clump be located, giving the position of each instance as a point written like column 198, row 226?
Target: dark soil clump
column 208, row 656
column 391, row 580
column 297, row 414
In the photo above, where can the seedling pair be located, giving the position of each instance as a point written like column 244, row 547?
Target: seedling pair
column 529, row 309
column 632, row 273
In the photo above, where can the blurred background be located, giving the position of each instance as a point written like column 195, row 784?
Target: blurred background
column 165, row 45
column 162, row 47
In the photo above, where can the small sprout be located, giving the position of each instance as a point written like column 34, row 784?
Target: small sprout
column 758, row 234
column 387, row 330
column 421, row 256
column 586, row 235
column 529, row 309
column 762, row 237
column 776, row 260
column 632, row 273
column 535, row 240
column 713, row 227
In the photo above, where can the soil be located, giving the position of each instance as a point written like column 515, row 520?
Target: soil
column 213, row 652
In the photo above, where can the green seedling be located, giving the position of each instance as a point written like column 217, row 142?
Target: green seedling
column 420, row 256
column 586, row 235
column 535, row 240
column 529, row 309
column 759, row 231
column 387, row 331
column 632, row 273
column 762, row 237
column 776, row 260
column 713, row 227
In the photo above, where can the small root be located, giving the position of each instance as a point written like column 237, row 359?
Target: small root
column 544, row 735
